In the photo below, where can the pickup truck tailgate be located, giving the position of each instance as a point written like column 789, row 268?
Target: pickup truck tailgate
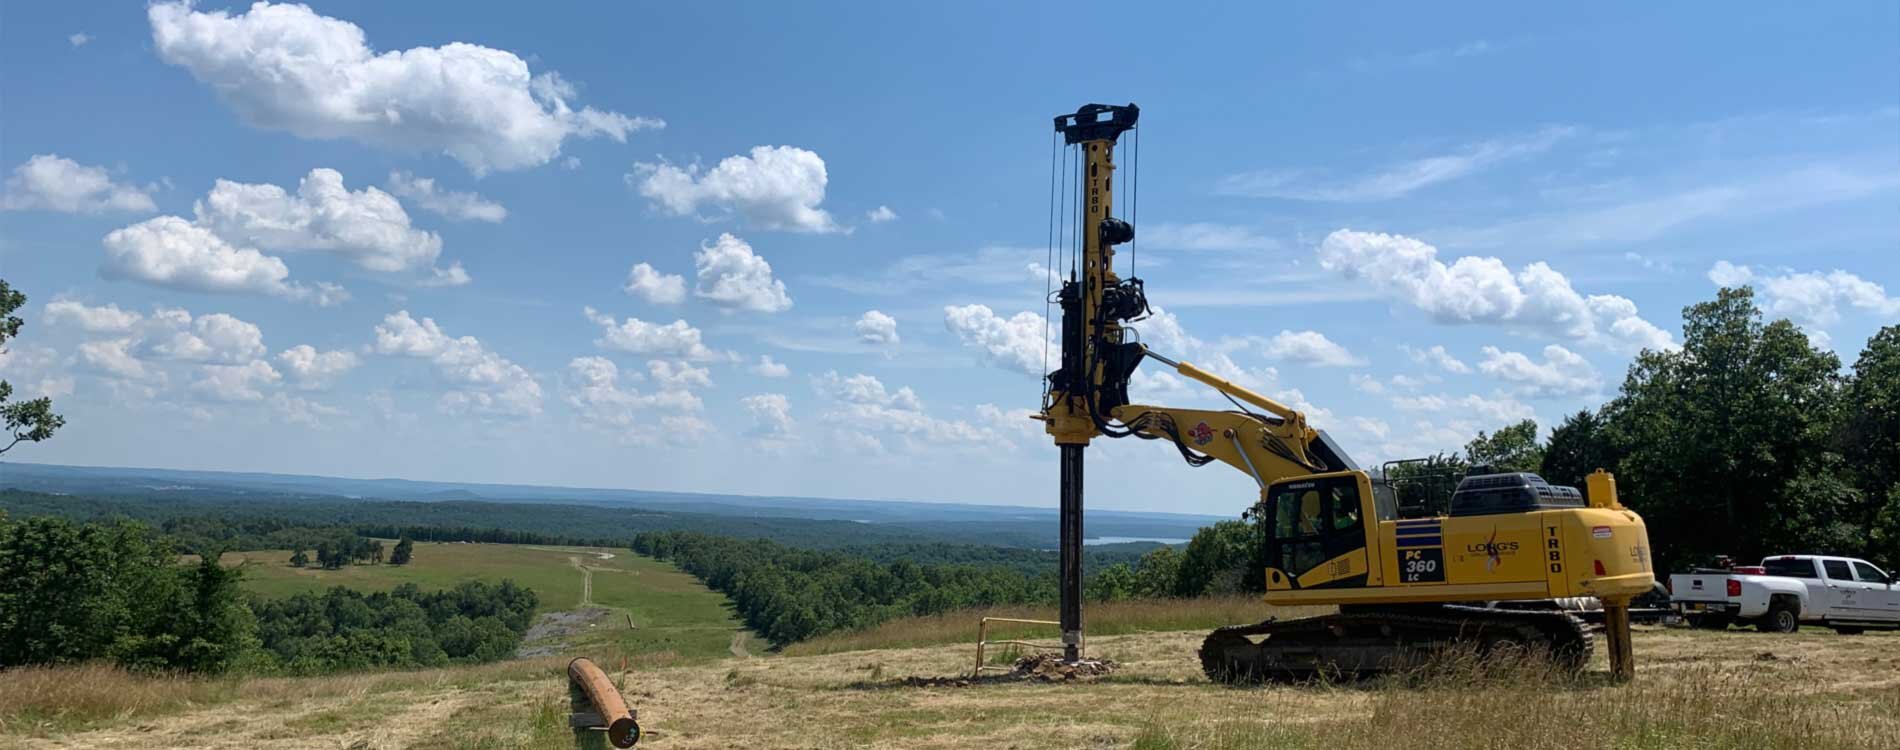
column 1707, row 588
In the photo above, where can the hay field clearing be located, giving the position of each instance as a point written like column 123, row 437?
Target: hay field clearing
column 674, row 617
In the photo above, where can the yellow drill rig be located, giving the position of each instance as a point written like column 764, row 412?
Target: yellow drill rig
column 1409, row 579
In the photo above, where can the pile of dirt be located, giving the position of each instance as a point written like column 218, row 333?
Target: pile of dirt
column 1045, row 667
column 1051, row 668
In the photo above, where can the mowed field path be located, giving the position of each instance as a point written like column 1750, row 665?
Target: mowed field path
column 587, row 581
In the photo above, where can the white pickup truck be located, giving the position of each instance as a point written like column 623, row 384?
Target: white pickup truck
column 1842, row 593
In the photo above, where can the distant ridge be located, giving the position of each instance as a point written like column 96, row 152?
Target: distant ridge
column 112, row 480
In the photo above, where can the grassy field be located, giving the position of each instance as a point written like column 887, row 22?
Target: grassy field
column 1693, row 689
column 674, row 618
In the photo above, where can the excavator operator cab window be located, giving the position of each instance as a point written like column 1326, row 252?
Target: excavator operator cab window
column 1314, row 521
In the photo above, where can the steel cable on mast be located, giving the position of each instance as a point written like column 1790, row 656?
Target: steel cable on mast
column 1076, row 243
column 1048, row 263
column 1134, row 199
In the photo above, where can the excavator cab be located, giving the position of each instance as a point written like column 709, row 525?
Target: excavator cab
column 1317, row 531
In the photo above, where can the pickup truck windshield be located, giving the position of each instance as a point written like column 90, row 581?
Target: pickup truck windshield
column 1789, row 568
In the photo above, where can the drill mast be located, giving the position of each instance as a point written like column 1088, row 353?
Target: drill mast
column 1094, row 305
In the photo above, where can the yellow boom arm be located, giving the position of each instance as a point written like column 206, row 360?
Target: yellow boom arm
column 1265, row 447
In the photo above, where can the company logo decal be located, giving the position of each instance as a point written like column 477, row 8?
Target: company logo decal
column 1201, row 434
column 1493, row 551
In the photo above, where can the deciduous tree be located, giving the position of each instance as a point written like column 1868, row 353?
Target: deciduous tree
column 1726, row 442
column 29, row 421
column 1870, row 441
column 1513, row 448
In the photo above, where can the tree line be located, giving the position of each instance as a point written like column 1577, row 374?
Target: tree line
column 350, row 549
column 343, row 629
column 1748, row 441
column 115, row 590
column 789, row 594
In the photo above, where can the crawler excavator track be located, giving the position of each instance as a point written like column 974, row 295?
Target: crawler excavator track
column 1366, row 641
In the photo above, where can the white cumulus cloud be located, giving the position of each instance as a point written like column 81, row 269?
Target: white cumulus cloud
column 284, row 67
column 865, row 389
column 477, row 380
column 302, row 411
column 35, row 371
column 112, row 357
column 215, row 338
column 880, row 215
column 139, row 352
column 1562, row 373
column 1809, row 298
column 101, row 319
column 655, row 287
column 678, row 376
column 676, row 340
column 172, row 253
column 51, row 182
column 1483, row 290
column 1310, row 348
column 767, row 368
column 1439, row 358
column 243, row 382
column 599, row 398
column 368, row 227
column 771, row 415
column 733, row 277
column 876, row 328
column 316, row 369
column 169, row 334
column 776, row 187
column 1015, row 343
column 451, row 204
column 862, row 408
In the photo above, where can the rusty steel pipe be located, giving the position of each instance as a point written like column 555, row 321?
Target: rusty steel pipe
column 622, row 730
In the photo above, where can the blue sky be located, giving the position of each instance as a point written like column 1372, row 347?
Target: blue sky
column 390, row 239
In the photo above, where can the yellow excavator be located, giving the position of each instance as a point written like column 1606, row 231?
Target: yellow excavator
column 1414, row 564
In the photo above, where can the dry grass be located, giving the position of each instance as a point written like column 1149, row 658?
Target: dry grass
column 75, row 696
column 50, row 700
column 1693, row 690
column 1706, row 702
column 1105, row 619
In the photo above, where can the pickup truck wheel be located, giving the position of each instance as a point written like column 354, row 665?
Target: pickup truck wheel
column 1845, row 630
column 1782, row 617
